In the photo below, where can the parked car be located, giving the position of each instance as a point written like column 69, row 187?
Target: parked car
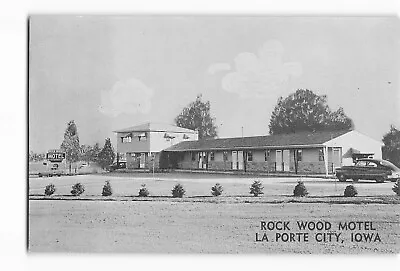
column 116, row 165
column 369, row 169
column 53, row 171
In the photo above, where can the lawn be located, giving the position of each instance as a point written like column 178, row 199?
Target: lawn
column 188, row 227
column 200, row 185
column 199, row 223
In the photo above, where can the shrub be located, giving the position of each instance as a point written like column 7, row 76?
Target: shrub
column 49, row 190
column 107, row 190
column 256, row 188
column 217, row 190
column 143, row 192
column 350, row 191
column 77, row 189
column 178, row 191
column 300, row 190
column 396, row 188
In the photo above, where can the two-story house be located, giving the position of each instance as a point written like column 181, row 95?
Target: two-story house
column 141, row 145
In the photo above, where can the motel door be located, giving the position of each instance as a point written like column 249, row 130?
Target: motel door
column 286, row 160
column 142, row 160
column 234, row 160
column 336, row 158
column 278, row 160
column 237, row 160
column 203, row 160
column 240, row 160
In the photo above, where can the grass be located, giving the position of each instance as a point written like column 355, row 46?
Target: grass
column 200, row 223
column 191, row 227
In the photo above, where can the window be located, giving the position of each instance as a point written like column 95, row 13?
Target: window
column 168, row 137
column 267, row 154
column 212, row 156
column 361, row 163
column 299, row 155
column 126, row 139
column 321, row 155
column 142, row 137
column 249, row 156
column 225, row 154
column 193, row 156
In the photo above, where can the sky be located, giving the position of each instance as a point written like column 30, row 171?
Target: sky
column 112, row 72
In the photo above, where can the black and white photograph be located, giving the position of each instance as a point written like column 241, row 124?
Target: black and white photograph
column 213, row 134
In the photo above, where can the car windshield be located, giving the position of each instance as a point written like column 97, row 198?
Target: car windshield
column 390, row 165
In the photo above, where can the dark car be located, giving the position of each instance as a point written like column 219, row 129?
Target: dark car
column 369, row 169
column 116, row 165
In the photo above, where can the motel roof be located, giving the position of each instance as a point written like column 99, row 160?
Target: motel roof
column 305, row 139
column 155, row 127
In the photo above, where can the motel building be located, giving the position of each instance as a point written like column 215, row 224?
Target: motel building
column 302, row 153
column 140, row 146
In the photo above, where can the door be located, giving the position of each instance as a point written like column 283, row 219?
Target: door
column 142, row 160
column 278, row 160
column 336, row 158
column 286, row 160
column 200, row 160
column 234, row 160
column 240, row 160
column 205, row 160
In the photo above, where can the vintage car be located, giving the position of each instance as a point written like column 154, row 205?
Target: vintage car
column 116, row 165
column 50, row 169
column 369, row 169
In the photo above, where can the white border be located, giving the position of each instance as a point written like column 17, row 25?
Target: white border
column 13, row 79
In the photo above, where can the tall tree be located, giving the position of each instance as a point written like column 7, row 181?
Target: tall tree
column 86, row 153
column 391, row 148
column 94, row 152
column 107, row 154
column 306, row 111
column 70, row 144
column 197, row 116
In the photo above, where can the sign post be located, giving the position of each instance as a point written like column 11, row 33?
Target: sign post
column 56, row 156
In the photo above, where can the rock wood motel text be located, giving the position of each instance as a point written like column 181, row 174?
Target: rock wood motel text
column 360, row 231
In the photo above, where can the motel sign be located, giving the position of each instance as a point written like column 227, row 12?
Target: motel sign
column 55, row 156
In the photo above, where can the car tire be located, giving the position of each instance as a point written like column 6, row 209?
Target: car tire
column 342, row 178
column 380, row 179
column 40, row 175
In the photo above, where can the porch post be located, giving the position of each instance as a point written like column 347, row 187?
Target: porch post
column 325, row 149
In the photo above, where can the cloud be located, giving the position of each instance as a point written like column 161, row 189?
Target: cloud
column 263, row 74
column 218, row 67
column 129, row 97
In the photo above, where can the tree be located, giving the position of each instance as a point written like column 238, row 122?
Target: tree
column 86, row 153
column 306, row 111
column 391, row 148
column 70, row 144
column 107, row 155
column 94, row 152
column 196, row 116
